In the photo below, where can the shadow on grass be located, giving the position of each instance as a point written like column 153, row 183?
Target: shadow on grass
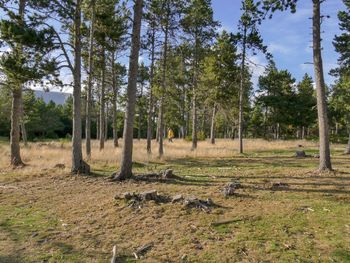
column 245, row 162
column 11, row 259
column 177, row 180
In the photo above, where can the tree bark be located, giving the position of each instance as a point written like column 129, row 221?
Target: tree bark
column 106, row 122
column 24, row 133
column 151, row 102
column 212, row 128
column 140, row 114
column 194, row 99
column 23, row 126
column 347, row 151
column 78, row 165
column 241, row 93
column 15, row 129
column 325, row 158
column 16, row 160
column 163, row 86
column 114, row 106
column 126, row 159
column 102, row 102
column 89, row 86
column 97, row 127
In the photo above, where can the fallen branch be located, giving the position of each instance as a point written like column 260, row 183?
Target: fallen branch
column 114, row 257
column 141, row 251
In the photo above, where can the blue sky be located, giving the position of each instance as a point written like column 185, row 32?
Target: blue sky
column 288, row 36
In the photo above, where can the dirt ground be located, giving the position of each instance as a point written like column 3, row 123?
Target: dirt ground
column 48, row 215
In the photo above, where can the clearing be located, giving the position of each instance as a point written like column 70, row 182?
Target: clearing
column 284, row 211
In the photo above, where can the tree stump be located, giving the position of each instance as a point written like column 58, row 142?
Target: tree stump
column 300, row 154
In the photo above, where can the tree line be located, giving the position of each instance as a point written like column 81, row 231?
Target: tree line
column 193, row 79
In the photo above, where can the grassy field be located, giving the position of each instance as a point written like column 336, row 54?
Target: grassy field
column 47, row 215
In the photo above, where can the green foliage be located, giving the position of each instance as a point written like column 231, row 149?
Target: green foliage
column 28, row 45
column 284, row 104
column 342, row 41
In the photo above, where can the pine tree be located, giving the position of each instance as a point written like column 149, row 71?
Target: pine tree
column 199, row 25
column 27, row 60
column 341, row 44
column 325, row 154
column 250, row 39
column 126, row 161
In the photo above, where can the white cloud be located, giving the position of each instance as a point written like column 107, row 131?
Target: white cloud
column 279, row 48
column 257, row 66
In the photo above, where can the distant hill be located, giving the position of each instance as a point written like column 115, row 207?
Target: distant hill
column 55, row 96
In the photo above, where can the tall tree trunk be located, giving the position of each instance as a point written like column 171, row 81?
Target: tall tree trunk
column 24, row 133
column 126, row 160
column 347, row 151
column 212, row 128
column 325, row 157
column 106, row 122
column 102, row 101
column 15, row 129
column 140, row 115
column 203, row 120
column 194, row 120
column 114, row 101
column 23, row 126
column 241, row 93
column 157, row 132
column 78, row 165
column 151, row 102
column 17, row 105
column 194, row 99
column 163, row 86
column 89, row 86
column 97, row 127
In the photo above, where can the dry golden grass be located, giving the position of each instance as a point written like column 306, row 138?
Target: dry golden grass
column 41, row 156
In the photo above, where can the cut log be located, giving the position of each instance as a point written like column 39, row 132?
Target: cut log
column 114, row 257
column 230, row 188
column 193, row 202
column 168, row 174
column 177, row 198
column 149, row 195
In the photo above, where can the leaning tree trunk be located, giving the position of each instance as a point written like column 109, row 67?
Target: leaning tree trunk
column 78, row 165
column 114, row 106
column 89, row 86
column 151, row 103
column 102, row 102
column 126, row 159
column 212, row 128
column 325, row 157
column 241, row 93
